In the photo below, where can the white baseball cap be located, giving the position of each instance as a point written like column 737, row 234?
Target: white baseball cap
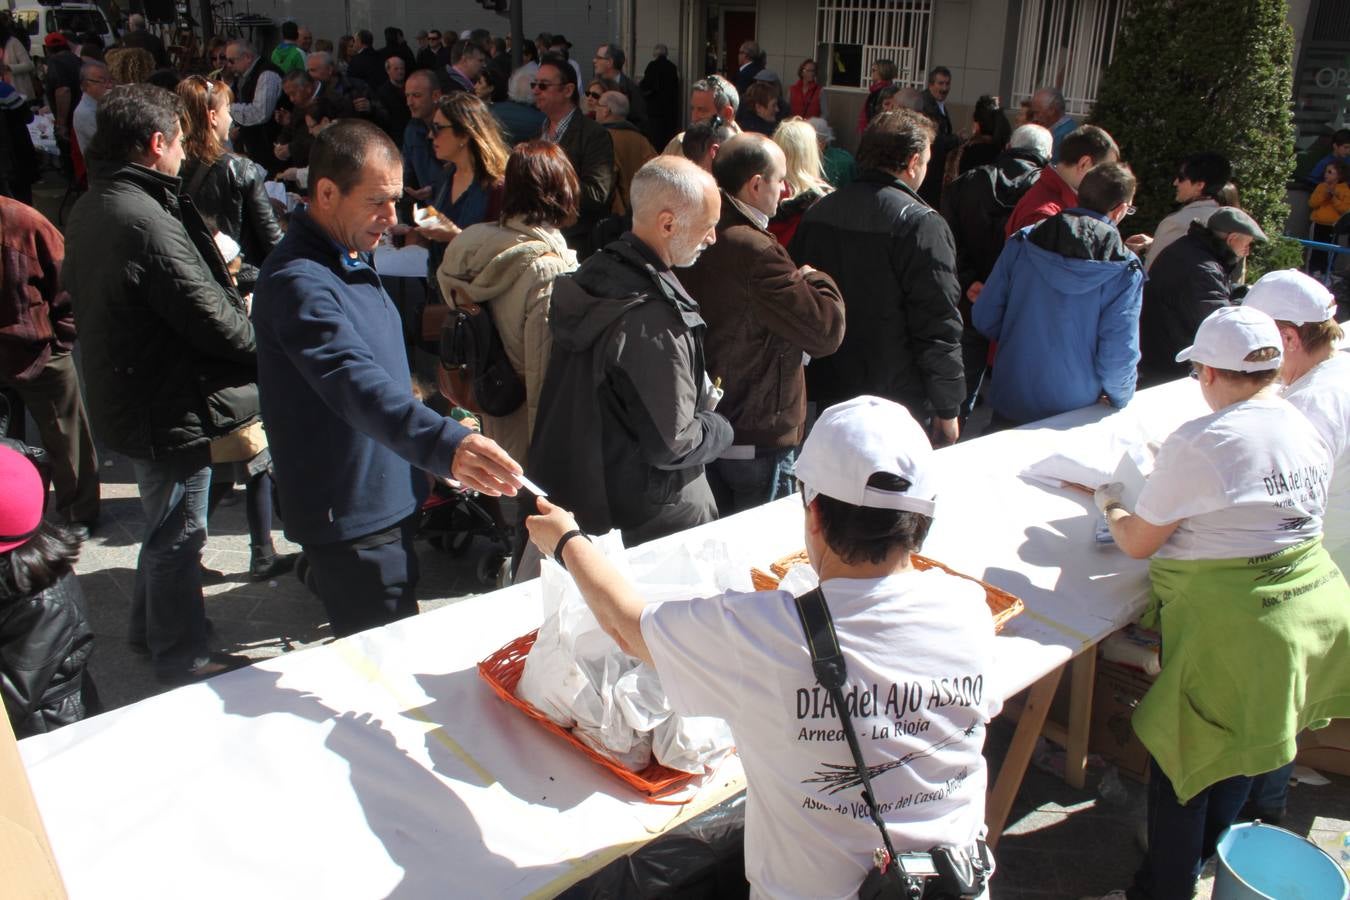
column 856, row 439
column 1229, row 335
column 1292, row 296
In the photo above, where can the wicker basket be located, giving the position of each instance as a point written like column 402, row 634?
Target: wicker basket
column 502, row 671
column 1002, row 605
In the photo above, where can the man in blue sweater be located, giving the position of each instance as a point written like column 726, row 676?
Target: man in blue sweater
column 347, row 436
column 1063, row 303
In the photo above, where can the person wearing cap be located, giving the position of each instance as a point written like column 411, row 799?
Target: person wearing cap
column 1231, row 517
column 1188, row 281
column 1316, row 380
column 45, row 641
column 919, row 647
column 1062, row 302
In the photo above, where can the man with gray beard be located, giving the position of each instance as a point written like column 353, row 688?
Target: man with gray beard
column 626, row 422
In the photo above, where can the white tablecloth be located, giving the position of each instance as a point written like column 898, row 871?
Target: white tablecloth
column 381, row 764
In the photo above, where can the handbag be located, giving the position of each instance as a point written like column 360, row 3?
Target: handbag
column 241, row 445
column 943, row 873
column 480, row 377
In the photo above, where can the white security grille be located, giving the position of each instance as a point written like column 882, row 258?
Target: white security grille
column 897, row 30
column 1066, row 44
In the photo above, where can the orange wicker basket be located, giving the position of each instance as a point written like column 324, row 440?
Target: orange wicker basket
column 1002, row 605
column 502, row 671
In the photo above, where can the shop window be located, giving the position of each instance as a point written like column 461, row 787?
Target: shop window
column 852, row 35
column 1066, row 44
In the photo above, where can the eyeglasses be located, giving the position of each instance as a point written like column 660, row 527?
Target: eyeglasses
column 594, row 95
column 436, row 128
column 1194, row 373
column 543, row 85
column 1130, row 210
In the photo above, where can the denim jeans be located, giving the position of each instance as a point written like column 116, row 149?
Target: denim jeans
column 167, row 610
column 740, row 484
column 1182, row 837
column 1270, row 794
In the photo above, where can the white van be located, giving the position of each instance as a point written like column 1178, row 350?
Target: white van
column 41, row 19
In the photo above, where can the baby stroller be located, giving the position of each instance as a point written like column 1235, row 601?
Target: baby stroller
column 451, row 517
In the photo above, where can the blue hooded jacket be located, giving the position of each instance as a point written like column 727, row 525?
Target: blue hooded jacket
column 1063, row 304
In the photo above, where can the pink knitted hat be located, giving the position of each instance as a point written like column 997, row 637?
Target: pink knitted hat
column 21, row 499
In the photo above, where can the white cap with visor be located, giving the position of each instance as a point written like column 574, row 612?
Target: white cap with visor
column 1229, row 335
column 856, row 439
column 1289, row 295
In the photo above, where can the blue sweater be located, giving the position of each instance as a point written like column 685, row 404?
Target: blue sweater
column 1067, row 328
column 347, row 435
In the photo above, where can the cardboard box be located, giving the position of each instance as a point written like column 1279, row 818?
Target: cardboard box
column 27, row 866
column 1116, row 692
column 1327, row 749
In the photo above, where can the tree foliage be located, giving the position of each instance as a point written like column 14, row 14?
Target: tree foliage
column 1195, row 75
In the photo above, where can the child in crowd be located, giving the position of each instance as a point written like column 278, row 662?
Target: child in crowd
column 1329, row 201
column 45, row 641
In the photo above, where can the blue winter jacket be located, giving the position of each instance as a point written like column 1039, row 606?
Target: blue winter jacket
column 1063, row 304
column 347, row 435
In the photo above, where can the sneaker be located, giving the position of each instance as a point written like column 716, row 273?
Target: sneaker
column 264, row 566
column 203, row 667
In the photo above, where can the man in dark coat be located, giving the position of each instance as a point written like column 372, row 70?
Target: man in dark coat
column 168, row 358
column 587, row 144
column 894, row 261
column 257, row 91
column 763, row 313
column 141, row 38
column 977, row 206
column 626, row 422
column 366, row 64
column 661, row 89
column 749, row 62
column 935, row 108
column 1190, row 279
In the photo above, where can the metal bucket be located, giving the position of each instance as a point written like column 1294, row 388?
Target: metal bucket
column 1262, row 862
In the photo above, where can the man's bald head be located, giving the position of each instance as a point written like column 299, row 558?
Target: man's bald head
column 675, row 209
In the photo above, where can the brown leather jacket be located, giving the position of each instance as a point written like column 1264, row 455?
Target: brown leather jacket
column 762, row 314
column 36, row 318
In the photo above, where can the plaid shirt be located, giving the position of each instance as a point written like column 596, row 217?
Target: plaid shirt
column 556, row 136
column 35, row 311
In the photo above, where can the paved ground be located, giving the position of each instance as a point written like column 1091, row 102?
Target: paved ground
column 1060, row 842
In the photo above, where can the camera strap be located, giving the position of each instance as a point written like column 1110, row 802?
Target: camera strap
column 827, row 661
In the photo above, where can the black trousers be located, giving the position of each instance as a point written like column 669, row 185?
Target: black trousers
column 368, row 581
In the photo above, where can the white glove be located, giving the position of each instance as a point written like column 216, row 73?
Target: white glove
column 1108, row 495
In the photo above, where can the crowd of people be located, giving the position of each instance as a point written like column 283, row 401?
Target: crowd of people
column 656, row 333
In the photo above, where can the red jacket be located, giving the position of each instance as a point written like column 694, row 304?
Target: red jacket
column 805, row 100
column 863, row 114
column 1049, row 196
column 35, row 312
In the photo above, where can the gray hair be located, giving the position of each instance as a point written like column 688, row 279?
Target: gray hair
column 322, row 55
column 1053, row 98
column 243, row 46
column 660, row 50
column 668, row 183
column 518, row 88
column 1036, row 138
column 90, row 69
column 615, row 102
column 909, row 98
column 723, row 91
column 824, row 131
column 299, row 76
column 135, row 22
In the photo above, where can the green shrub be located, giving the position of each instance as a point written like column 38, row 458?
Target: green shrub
column 1195, row 75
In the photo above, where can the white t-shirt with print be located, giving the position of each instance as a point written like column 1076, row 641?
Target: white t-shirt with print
column 1323, row 395
column 919, row 648
column 1243, row 481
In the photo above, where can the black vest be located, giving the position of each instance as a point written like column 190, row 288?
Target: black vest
column 255, row 141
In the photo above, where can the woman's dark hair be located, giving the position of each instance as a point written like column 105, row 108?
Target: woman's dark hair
column 541, row 185
column 993, row 122
column 129, row 116
column 39, row 562
column 470, row 118
column 1211, row 169
column 892, row 138
column 758, row 94
column 862, row 534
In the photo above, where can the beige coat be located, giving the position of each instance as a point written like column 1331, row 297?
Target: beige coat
column 510, row 270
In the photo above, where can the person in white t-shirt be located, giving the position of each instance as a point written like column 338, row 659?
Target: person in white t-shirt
column 918, row 646
column 1316, row 379
column 1231, row 516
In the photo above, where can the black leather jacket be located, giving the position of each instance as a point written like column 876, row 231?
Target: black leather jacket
column 45, row 643
column 231, row 198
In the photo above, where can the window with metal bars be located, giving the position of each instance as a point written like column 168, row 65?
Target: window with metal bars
column 853, row 35
column 1066, row 44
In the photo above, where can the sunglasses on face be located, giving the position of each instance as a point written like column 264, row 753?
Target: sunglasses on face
column 435, row 128
column 542, row 85
column 594, row 95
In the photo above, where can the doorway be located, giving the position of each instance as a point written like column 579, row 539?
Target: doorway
column 728, row 26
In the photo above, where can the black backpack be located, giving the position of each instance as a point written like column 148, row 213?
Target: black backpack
column 475, row 361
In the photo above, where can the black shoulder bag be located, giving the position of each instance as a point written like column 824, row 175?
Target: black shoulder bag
column 471, row 349
column 940, row 874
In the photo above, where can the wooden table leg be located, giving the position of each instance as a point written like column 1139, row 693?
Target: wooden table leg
column 1082, row 672
column 1000, row 800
